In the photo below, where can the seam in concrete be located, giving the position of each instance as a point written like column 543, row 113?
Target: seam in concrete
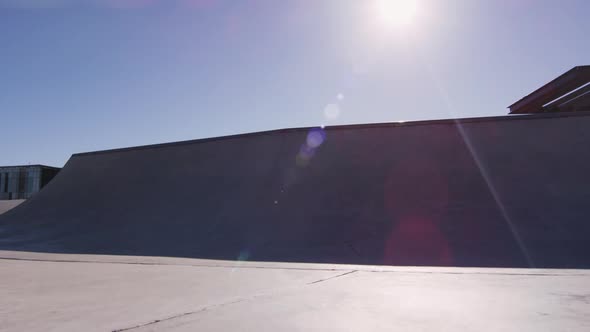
column 333, row 277
column 488, row 273
column 166, row 264
column 223, row 304
column 213, row 306
column 301, row 268
column 219, row 305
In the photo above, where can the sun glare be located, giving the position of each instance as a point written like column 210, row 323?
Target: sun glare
column 396, row 12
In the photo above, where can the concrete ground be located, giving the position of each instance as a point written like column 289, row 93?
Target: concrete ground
column 55, row 292
column 6, row 205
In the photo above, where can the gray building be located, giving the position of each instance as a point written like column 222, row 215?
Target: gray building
column 21, row 182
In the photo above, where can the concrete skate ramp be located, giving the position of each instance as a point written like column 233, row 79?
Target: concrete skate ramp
column 503, row 191
column 6, row 205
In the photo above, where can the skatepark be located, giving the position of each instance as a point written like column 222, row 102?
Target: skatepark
column 376, row 165
column 394, row 224
column 487, row 192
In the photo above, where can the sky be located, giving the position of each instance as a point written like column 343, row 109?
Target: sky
column 87, row 75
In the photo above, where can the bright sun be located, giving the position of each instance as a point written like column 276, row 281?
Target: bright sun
column 396, row 12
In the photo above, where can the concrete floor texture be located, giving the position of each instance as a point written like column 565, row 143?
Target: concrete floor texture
column 49, row 292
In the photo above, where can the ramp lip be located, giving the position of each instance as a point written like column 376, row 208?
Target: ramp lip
column 31, row 165
column 451, row 121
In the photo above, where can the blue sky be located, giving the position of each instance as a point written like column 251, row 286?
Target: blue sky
column 86, row 75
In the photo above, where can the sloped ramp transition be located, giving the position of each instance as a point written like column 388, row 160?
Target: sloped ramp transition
column 502, row 191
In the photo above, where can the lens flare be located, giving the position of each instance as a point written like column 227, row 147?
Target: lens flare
column 315, row 138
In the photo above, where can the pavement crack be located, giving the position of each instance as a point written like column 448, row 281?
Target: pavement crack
column 333, row 277
column 223, row 304
column 209, row 307
column 214, row 306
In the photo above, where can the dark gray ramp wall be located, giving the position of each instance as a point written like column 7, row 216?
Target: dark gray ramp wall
column 490, row 192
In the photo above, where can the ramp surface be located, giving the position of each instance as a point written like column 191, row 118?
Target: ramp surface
column 6, row 205
column 497, row 192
